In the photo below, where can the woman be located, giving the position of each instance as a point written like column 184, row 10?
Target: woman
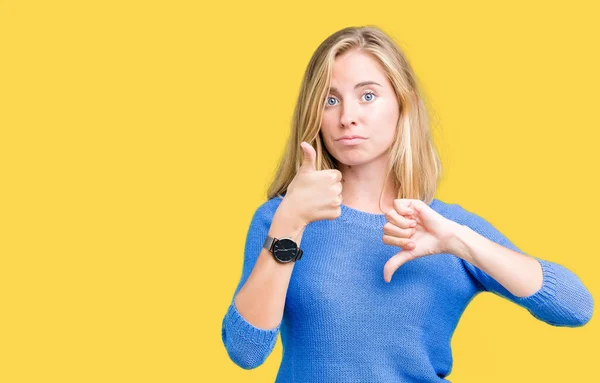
column 362, row 127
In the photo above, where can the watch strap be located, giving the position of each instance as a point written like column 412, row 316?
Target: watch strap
column 269, row 241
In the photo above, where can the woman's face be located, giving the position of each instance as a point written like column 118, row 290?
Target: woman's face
column 361, row 102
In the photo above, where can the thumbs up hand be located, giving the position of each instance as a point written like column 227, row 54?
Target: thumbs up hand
column 314, row 195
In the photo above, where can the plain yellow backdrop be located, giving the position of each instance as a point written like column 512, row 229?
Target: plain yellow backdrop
column 138, row 138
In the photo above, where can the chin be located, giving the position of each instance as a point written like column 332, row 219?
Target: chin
column 358, row 158
column 353, row 160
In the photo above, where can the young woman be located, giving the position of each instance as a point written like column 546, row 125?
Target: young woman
column 357, row 183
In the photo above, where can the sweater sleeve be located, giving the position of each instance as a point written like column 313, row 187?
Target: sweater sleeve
column 249, row 346
column 562, row 300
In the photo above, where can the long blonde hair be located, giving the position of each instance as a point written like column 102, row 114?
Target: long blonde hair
column 413, row 157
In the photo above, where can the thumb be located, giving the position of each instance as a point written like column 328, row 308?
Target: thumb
column 394, row 264
column 310, row 157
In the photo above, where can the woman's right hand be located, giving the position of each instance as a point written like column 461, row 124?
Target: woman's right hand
column 314, row 195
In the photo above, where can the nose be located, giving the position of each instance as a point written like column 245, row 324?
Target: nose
column 349, row 114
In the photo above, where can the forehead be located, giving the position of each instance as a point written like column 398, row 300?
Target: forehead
column 355, row 66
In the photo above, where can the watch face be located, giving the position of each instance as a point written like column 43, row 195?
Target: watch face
column 285, row 250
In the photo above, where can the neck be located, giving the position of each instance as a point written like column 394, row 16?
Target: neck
column 362, row 186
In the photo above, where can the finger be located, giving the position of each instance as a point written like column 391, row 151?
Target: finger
column 338, row 188
column 417, row 204
column 310, row 157
column 404, row 243
column 399, row 220
column 336, row 175
column 393, row 230
column 394, row 264
column 403, row 206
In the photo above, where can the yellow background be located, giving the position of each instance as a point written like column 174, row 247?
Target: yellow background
column 138, row 138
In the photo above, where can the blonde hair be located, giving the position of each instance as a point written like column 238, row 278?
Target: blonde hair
column 413, row 158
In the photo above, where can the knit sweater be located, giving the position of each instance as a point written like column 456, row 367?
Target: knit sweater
column 343, row 323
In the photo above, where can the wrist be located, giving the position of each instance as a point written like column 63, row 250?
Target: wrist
column 459, row 242
column 290, row 215
column 286, row 223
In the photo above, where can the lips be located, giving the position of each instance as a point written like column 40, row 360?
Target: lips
column 349, row 137
column 351, row 141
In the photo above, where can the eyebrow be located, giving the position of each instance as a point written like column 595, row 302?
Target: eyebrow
column 334, row 89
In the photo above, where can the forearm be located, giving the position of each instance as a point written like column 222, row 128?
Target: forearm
column 519, row 273
column 261, row 299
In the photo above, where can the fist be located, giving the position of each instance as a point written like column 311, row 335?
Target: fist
column 315, row 194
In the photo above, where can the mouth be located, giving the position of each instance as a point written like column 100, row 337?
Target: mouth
column 349, row 137
column 351, row 141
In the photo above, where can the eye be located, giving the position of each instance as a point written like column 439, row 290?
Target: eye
column 370, row 94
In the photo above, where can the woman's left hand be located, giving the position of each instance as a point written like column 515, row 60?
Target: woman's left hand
column 431, row 235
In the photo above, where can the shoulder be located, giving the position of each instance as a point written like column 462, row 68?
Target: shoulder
column 265, row 211
column 457, row 213
column 270, row 206
column 474, row 221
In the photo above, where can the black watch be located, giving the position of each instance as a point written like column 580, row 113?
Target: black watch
column 284, row 249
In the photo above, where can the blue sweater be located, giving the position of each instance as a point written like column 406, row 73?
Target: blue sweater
column 343, row 323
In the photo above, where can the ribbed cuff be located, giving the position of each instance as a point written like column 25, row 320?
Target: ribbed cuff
column 563, row 300
column 238, row 325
